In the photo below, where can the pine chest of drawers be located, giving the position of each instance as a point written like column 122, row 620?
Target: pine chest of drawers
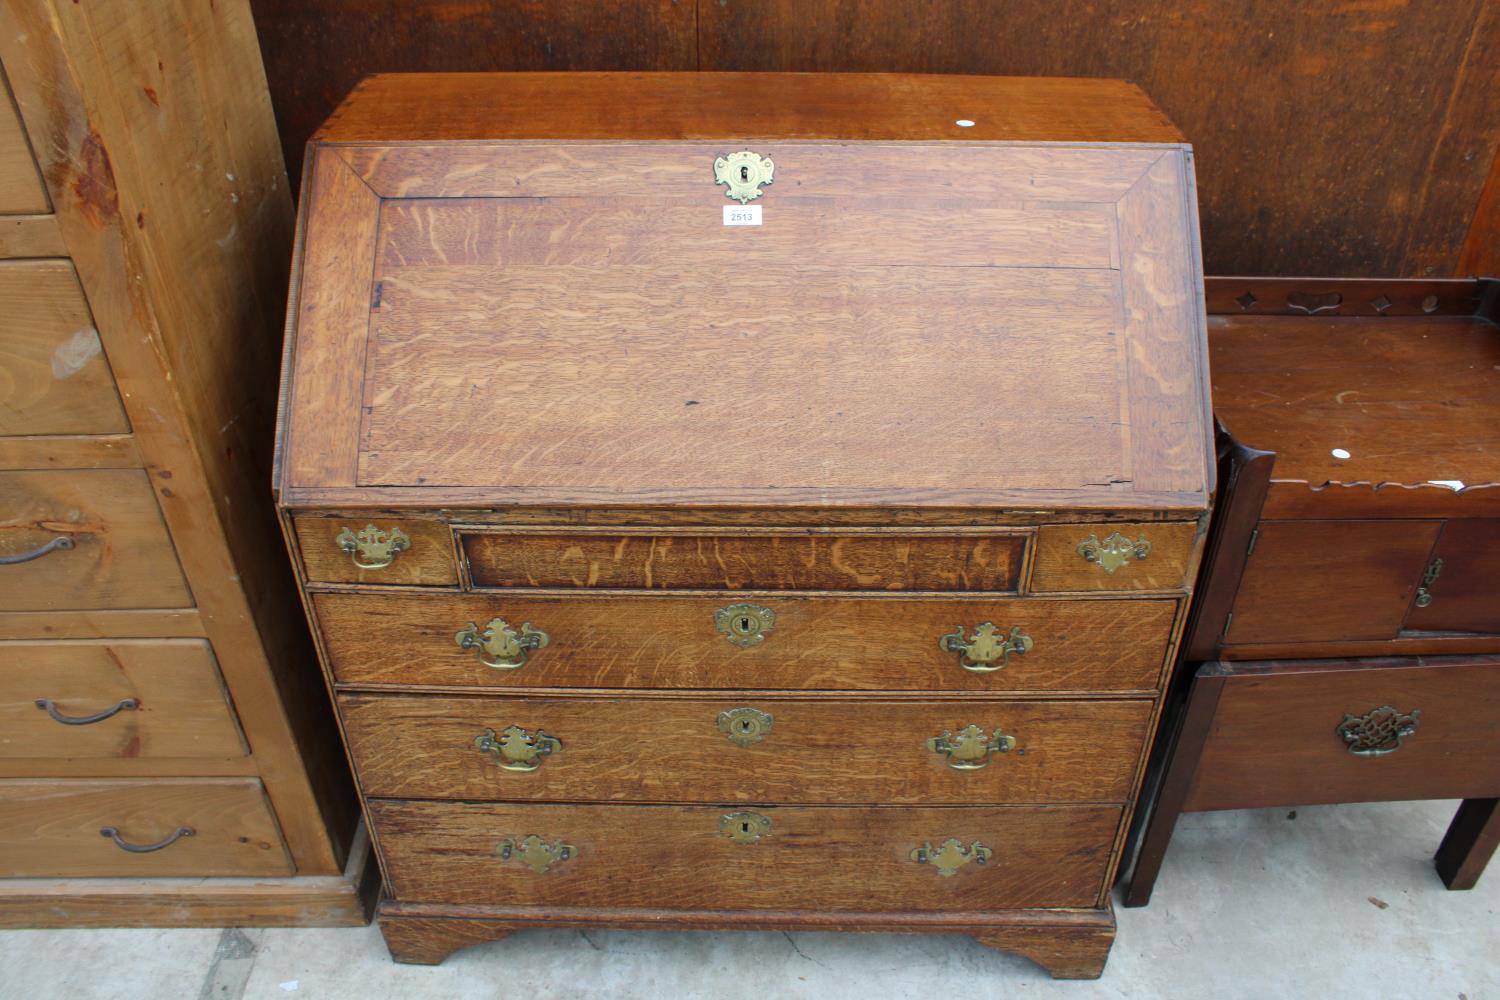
column 747, row 501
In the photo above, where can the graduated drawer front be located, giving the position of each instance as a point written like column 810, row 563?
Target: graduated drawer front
column 1275, row 738
column 816, row 642
column 677, row 750
column 410, row 552
column 1112, row 556
column 52, row 828
column 117, row 553
column 151, row 699
column 829, row 858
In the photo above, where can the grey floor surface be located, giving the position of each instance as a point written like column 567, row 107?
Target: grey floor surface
column 1338, row 902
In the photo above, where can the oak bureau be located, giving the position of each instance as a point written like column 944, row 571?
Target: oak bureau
column 747, row 501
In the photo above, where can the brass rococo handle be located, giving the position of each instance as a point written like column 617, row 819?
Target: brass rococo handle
column 988, row 649
column 50, row 707
column 498, row 646
column 970, row 748
column 372, row 548
column 1379, row 731
column 951, row 855
column 514, row 749
column 1114, row 552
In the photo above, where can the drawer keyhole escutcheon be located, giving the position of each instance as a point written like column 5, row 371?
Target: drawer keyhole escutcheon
column 1379, row 731
column 500, row 647
column 988, row 649
column 536, row 853
column 742, row 175
column 745, row 625
column 970, row 748
column 517, row 750
column 951, row 855
column 372, row 548
column 1114, row 552
column 745, row 726
column 744, row 827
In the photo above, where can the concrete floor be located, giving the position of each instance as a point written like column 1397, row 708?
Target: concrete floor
column 1338, row 902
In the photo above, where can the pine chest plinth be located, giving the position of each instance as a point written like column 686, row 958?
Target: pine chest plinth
column 747, row 501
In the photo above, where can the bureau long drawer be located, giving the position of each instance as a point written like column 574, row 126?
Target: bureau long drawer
column 746, row 749
column 812, row 642
column 726, row 857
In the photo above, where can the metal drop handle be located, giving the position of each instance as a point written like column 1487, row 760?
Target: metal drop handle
column 60, row 542
column 129, row 704
column 167, row 841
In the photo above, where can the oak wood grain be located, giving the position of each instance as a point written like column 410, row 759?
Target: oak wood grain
column 1059, row 566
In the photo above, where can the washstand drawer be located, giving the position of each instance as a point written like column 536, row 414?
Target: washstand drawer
column 85, row 539
column 1293, row 732
column 140, row 699
column 410, row 552
column 138, row 827
column 763, row 857
column 778, row 641
column 744, row 748
column 1113, row 556
column 847, row 559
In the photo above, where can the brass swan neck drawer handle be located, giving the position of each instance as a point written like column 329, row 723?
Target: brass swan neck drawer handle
column 114, row 834
column 62, row 542
column 500, row 647
column 970, row 748
column 1379, row 731
column 988, row 649
column 372, row 548
column 50, row 707
column 515, row 749
column 1114, row 552
column 536, row 853
column 951, row 855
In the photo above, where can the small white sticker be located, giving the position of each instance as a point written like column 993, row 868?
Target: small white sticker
column 741, row 215
column 1340, row 453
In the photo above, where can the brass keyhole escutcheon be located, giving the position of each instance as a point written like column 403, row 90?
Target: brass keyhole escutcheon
column 745, row 726
column 743, row 174
column 744, row 827
column 745, row 624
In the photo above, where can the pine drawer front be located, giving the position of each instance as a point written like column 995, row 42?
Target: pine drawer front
column 1121, row 557
column 1278, row 734
column 744, row 748
column 843, row 642
column 376, row 550
column 53, row 375
column 114, row 699
column 746, row 559
column 21, row 190
column 61, row 828
column 90, row 539
column 732, row 857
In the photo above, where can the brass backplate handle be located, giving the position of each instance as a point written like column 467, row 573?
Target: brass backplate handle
column 1114, row 552
column 744, row 624
column 535, row 853
column 517, row 750
column 1379, row 731
column 988, row 649
column 370, row 547
column 744, row 827
column 498, row 646
column 745, row 726
column 970, row 749
column 951, row 855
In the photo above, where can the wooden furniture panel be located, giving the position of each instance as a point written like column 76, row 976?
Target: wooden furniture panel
column 1086, row 557
column 21, row 189
column 166, row 697
column 425, row 558
column 675, row 857
column 1465, row 593
column 115, row 551
column 53, row 376
column 620, row 749
column 832, row 642
column 54, row 828
column 746, row 559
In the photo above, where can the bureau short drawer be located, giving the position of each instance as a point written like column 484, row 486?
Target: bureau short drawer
column 376, row 550
column 746, row 559
column 53, row 828
column 1278, row 734
column 140, row 699
column 682, row 857
column 744, row 748
column 85, row 539
column 807, row 642
column 1102, row 557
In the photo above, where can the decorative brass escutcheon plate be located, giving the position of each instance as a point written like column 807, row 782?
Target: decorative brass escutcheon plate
column 498, row 646
column 744, row 827
column 1379, row 731
column 970, row 749
column 951, row 855
column 535, row 853
column 988, row 649
column 517, row 750
column 742, row 174
column 1114, row 552
column 745, row 624
column 372, row 548
column 745, row 726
